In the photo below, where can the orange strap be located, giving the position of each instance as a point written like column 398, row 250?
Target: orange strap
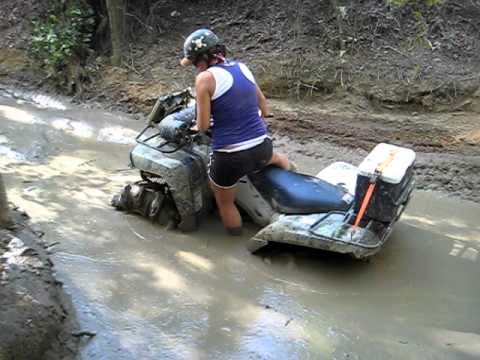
column 365, row 202
column 371, row 187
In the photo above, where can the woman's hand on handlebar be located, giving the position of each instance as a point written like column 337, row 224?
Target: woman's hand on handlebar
column 194, row 127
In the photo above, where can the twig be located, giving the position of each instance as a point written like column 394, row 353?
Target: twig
column 148, row 27
column 87, row 162
column 152, row 10
column 132, row 68
column 475, row 5
column 120, row 170
column 308, row 86
column 52, row 244
column 84, row 333
column 474, row 77
column 462, row 19
column 140, row 236
column 396, row 50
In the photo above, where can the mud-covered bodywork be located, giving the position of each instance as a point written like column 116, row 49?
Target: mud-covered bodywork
column 167, row 153
column 184, row 173
column 333, row 230
column 321, row 231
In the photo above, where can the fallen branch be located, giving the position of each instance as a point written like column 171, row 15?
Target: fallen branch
column 395, row 50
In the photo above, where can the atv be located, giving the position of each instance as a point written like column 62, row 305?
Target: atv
column 344, row 208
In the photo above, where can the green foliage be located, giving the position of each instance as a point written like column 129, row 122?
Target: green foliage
column 64, row 34
column 404, row 2
column 434, row 2
column 417, row 8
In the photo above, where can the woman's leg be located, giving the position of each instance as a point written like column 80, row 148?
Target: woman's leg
column 225, row 199
column 280, row 160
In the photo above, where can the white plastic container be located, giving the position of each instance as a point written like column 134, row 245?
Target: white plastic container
column 393, row 162
column 394, row 167
column 341, row 174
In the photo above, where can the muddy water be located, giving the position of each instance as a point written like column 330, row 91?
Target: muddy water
column 154, row 294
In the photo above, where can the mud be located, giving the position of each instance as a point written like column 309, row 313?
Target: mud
column 150, row 293
column 35, row 317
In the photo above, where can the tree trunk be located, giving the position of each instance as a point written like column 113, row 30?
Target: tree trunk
column 339, row 19
column 5, row 219
column 116, row 15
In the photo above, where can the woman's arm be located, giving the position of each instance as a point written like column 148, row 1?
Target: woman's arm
column 204, row 88
column 262, row 103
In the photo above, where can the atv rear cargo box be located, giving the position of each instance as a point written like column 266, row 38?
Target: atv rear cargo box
column 392, row 185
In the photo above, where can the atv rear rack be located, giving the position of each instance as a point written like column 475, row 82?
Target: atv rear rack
column 333, row 227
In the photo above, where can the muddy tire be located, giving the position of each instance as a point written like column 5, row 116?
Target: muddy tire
column 150, row 200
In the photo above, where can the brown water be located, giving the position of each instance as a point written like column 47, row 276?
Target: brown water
column 155, row 294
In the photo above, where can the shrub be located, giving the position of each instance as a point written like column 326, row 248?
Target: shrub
column 63, row 36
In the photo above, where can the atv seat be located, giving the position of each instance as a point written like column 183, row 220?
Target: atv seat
column 293, row 193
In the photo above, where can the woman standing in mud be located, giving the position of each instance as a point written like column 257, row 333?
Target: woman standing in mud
column 226, row 91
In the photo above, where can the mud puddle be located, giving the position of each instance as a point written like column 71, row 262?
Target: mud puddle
column 149, row 293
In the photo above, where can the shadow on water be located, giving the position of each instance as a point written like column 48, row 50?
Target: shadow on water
column 151, row 293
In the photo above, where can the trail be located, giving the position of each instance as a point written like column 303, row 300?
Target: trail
column 149, row 293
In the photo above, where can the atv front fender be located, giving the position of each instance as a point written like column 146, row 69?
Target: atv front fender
column 183, row 172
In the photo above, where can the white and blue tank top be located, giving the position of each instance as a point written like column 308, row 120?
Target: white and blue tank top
column 237, row 124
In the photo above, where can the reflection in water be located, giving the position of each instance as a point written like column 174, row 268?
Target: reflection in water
column 199, row 262
column 149, row 293
column 19, row 115
column 38, row 100
column 117, row 135
column 463, row 251
column 76, row 128
column 11, row 154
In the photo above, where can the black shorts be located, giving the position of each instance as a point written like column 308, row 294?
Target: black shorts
column 226, row 168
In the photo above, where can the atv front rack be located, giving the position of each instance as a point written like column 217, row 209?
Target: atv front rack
column 173, row 130
column 161, row 143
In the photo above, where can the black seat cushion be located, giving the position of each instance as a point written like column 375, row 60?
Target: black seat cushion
column 293, row 193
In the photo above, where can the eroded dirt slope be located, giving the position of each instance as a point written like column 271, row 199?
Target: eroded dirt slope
column 36, row 319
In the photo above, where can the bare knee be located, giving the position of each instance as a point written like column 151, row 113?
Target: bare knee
column 280, row 160
column 225, row 199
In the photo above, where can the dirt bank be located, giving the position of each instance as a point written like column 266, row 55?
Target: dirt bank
column 412, row 54
column 397, row 52
column 36, row 319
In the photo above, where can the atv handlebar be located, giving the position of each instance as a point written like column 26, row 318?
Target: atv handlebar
column 170, row 122
column 169, row 104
